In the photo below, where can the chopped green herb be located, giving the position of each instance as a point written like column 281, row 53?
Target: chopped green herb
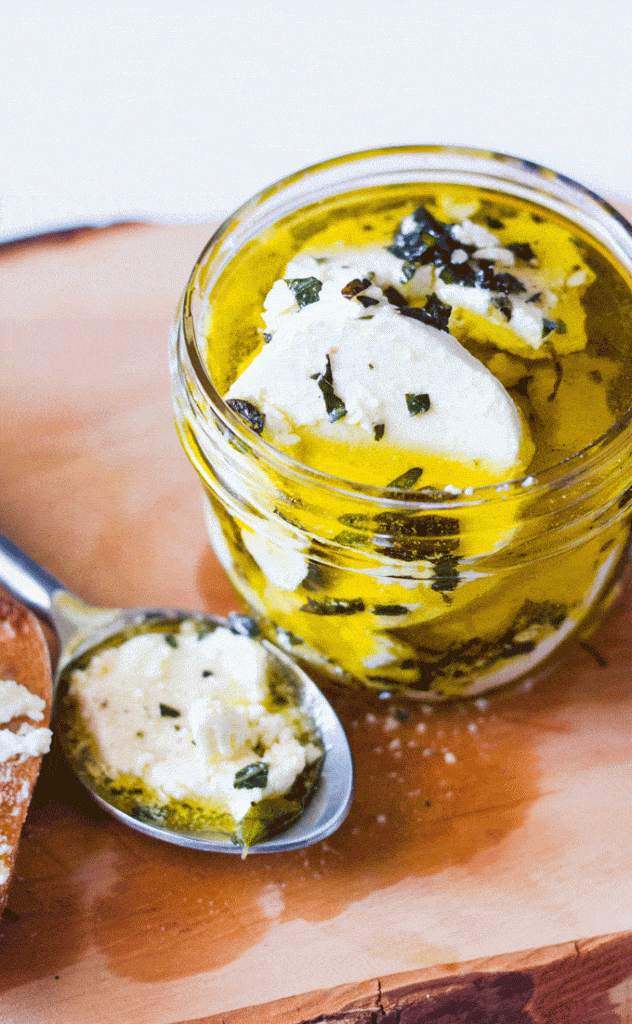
column 166, row 711
column 366, row 301
column 333, row 606
column 548, row 326
column 355, row 287
column 417, row 404
column 544, row 613
column 253, row 776
column 445, row 574
column 394, row 297
column 407, row 272
column 429, row 240
column 503, row 305
column 435, row 312
column 304, row 289
column 206, row 673
column 535, row 297
column 316, row 577
column 171, row 639
column 455, row 664
column 334, row 406
column 494, row 223
column 378, row 431
column 355, row 519
column 407, row 479
column 505, row 283
column 274, row 813
column 522, row 250
column 248, row 412
column 154, row 815
column 416, row 538
column 465, row 275
column 350, row 539
column 390, row 609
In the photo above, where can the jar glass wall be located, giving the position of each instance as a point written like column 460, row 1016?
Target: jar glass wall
column 436, row 593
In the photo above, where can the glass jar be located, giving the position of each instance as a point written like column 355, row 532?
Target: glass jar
column 429, row 593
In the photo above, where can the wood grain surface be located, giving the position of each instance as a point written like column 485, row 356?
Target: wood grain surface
column 520, row 841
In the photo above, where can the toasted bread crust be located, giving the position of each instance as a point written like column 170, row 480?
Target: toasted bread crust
column 24, row 658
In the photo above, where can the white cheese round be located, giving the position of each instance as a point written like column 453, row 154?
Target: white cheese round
column 376, row 360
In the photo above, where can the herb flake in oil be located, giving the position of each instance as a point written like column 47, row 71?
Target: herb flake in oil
column 407, row 479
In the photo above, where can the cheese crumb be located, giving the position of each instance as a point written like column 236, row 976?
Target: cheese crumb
column 17, row 700
column 26, row 742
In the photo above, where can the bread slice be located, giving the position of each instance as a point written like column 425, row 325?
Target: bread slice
column 24, row 659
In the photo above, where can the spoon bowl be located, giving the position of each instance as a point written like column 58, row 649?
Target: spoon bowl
column 83, row 628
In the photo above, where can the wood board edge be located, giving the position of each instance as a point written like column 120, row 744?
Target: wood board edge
column 566, row 983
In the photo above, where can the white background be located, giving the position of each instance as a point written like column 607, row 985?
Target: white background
column 179, row 111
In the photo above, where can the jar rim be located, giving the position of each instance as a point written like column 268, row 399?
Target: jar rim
column 565, row 195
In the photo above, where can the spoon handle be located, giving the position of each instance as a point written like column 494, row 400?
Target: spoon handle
column 35, row 587
column 27, row 580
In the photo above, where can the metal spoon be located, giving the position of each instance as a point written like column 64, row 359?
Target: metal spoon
column 81, row 627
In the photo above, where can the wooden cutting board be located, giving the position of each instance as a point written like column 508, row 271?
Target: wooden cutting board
column 521, row 840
